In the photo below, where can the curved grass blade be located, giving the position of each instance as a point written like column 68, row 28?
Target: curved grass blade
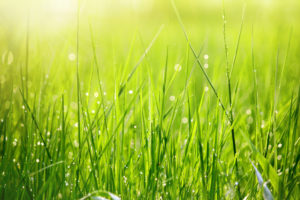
column 266, row 192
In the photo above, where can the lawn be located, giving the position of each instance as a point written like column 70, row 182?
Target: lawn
column 149, row 99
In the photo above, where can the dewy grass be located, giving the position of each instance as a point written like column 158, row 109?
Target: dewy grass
column 228, row 75
column 78, row 101
column 101, row 101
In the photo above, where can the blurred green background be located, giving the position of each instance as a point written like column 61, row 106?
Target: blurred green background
column 51, row 26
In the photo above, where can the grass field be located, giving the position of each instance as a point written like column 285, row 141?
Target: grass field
column 149, row 99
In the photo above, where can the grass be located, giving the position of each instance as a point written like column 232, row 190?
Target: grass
column 158, row 101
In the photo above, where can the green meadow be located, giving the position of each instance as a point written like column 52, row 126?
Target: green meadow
column 149, row 99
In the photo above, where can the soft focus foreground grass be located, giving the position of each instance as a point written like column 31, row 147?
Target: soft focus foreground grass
column 154, row 132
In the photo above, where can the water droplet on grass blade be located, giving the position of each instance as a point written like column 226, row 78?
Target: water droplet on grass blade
column 184, row 120
column 76, row 144
column 177, row 67
column 279, row 157
column 72, row 56
column 262, row 124
column 286, row 170
column 172, row 98
column 15, row 142
column 248, row 111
